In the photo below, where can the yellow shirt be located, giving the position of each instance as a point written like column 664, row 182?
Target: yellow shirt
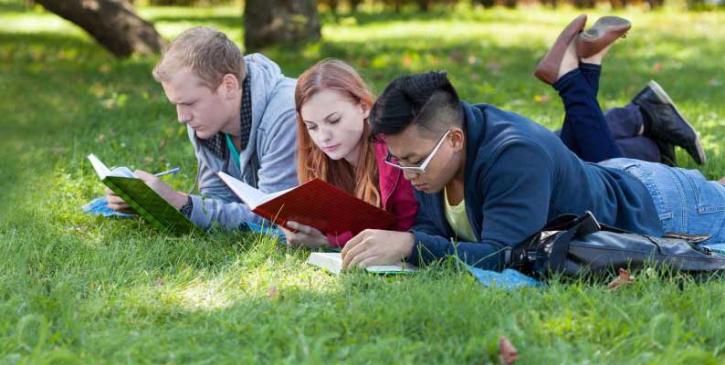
column 457, row 218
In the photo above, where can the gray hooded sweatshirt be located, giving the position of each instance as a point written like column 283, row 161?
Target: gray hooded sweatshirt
column 267, row 162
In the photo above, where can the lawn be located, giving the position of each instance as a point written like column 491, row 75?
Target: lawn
column 81, row 289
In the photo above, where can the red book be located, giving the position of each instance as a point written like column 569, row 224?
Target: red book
column 316, row 204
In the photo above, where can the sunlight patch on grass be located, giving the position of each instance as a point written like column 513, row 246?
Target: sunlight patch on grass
column 37, row 22
column 205, row 295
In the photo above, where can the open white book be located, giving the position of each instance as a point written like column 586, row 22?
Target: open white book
column 103, row 171
column 332, row 262
column 249, row 195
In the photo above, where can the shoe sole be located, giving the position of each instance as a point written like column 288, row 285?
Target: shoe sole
column 605, row 24
column 601, row 35
column 665, row 99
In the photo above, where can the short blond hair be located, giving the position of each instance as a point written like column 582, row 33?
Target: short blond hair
column 209, row 54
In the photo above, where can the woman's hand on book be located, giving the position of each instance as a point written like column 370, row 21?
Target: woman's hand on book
column 377, row 247
column 304, row 236
column 175, row 198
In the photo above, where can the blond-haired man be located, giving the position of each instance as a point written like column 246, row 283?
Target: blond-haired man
column 240, row 116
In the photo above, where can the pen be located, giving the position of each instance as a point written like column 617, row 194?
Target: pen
column 167, row 172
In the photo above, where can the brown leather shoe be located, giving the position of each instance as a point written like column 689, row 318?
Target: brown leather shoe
column 548, row 68
column 606, row 30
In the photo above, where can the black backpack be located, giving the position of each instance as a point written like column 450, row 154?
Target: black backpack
column 571, row 246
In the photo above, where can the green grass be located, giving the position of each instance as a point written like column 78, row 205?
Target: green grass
column 80, row 289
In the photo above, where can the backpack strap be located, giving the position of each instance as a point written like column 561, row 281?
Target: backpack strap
column 580, row 227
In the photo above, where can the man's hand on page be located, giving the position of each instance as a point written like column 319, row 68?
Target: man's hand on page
column 175, row 198
column 116, row 203
column 377, row 247
column 304, row 236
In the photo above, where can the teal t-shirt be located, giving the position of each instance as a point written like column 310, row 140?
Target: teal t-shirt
column 232, row 149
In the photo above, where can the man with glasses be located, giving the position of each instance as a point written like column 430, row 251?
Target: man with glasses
column 488, row 179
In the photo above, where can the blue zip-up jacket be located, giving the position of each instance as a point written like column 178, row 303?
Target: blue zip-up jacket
column 518, row 176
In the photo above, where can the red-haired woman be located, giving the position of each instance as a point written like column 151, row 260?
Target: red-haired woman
column 333, row 144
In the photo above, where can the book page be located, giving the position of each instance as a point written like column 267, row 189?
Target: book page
column 332, row 262
column 249, row 195
column 99, row 166
column 103, row 171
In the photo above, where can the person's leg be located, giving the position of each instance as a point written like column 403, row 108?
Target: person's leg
column 591, row 72
column 585, row 130
column 627, row 125
column 640, row 148
column 686, row 202
column 625, row 122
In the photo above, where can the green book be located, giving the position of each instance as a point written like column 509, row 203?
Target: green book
column 139, row 196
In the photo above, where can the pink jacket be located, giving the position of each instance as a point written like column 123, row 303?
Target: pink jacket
column 396, row 194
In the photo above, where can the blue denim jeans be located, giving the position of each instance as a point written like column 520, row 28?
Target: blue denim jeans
column 685, row 200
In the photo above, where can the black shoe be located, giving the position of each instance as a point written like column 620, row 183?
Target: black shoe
column 667, row 153
column 666, row 123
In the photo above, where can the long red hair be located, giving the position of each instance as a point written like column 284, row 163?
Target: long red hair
column 361, row 180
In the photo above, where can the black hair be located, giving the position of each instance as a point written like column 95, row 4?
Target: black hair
column 427, row 100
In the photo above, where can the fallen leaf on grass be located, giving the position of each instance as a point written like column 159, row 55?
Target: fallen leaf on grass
column 507, row 352
column 407, row 61
column 624, row 278
column 541, row 99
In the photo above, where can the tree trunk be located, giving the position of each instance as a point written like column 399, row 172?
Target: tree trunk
column 423, row 5
column 112, row 23
column 486, row 3
column 270, row 22
column 584, row 4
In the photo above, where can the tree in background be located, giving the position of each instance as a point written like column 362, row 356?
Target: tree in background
column 584, row 4
column 270, row 22
column 112, row 23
